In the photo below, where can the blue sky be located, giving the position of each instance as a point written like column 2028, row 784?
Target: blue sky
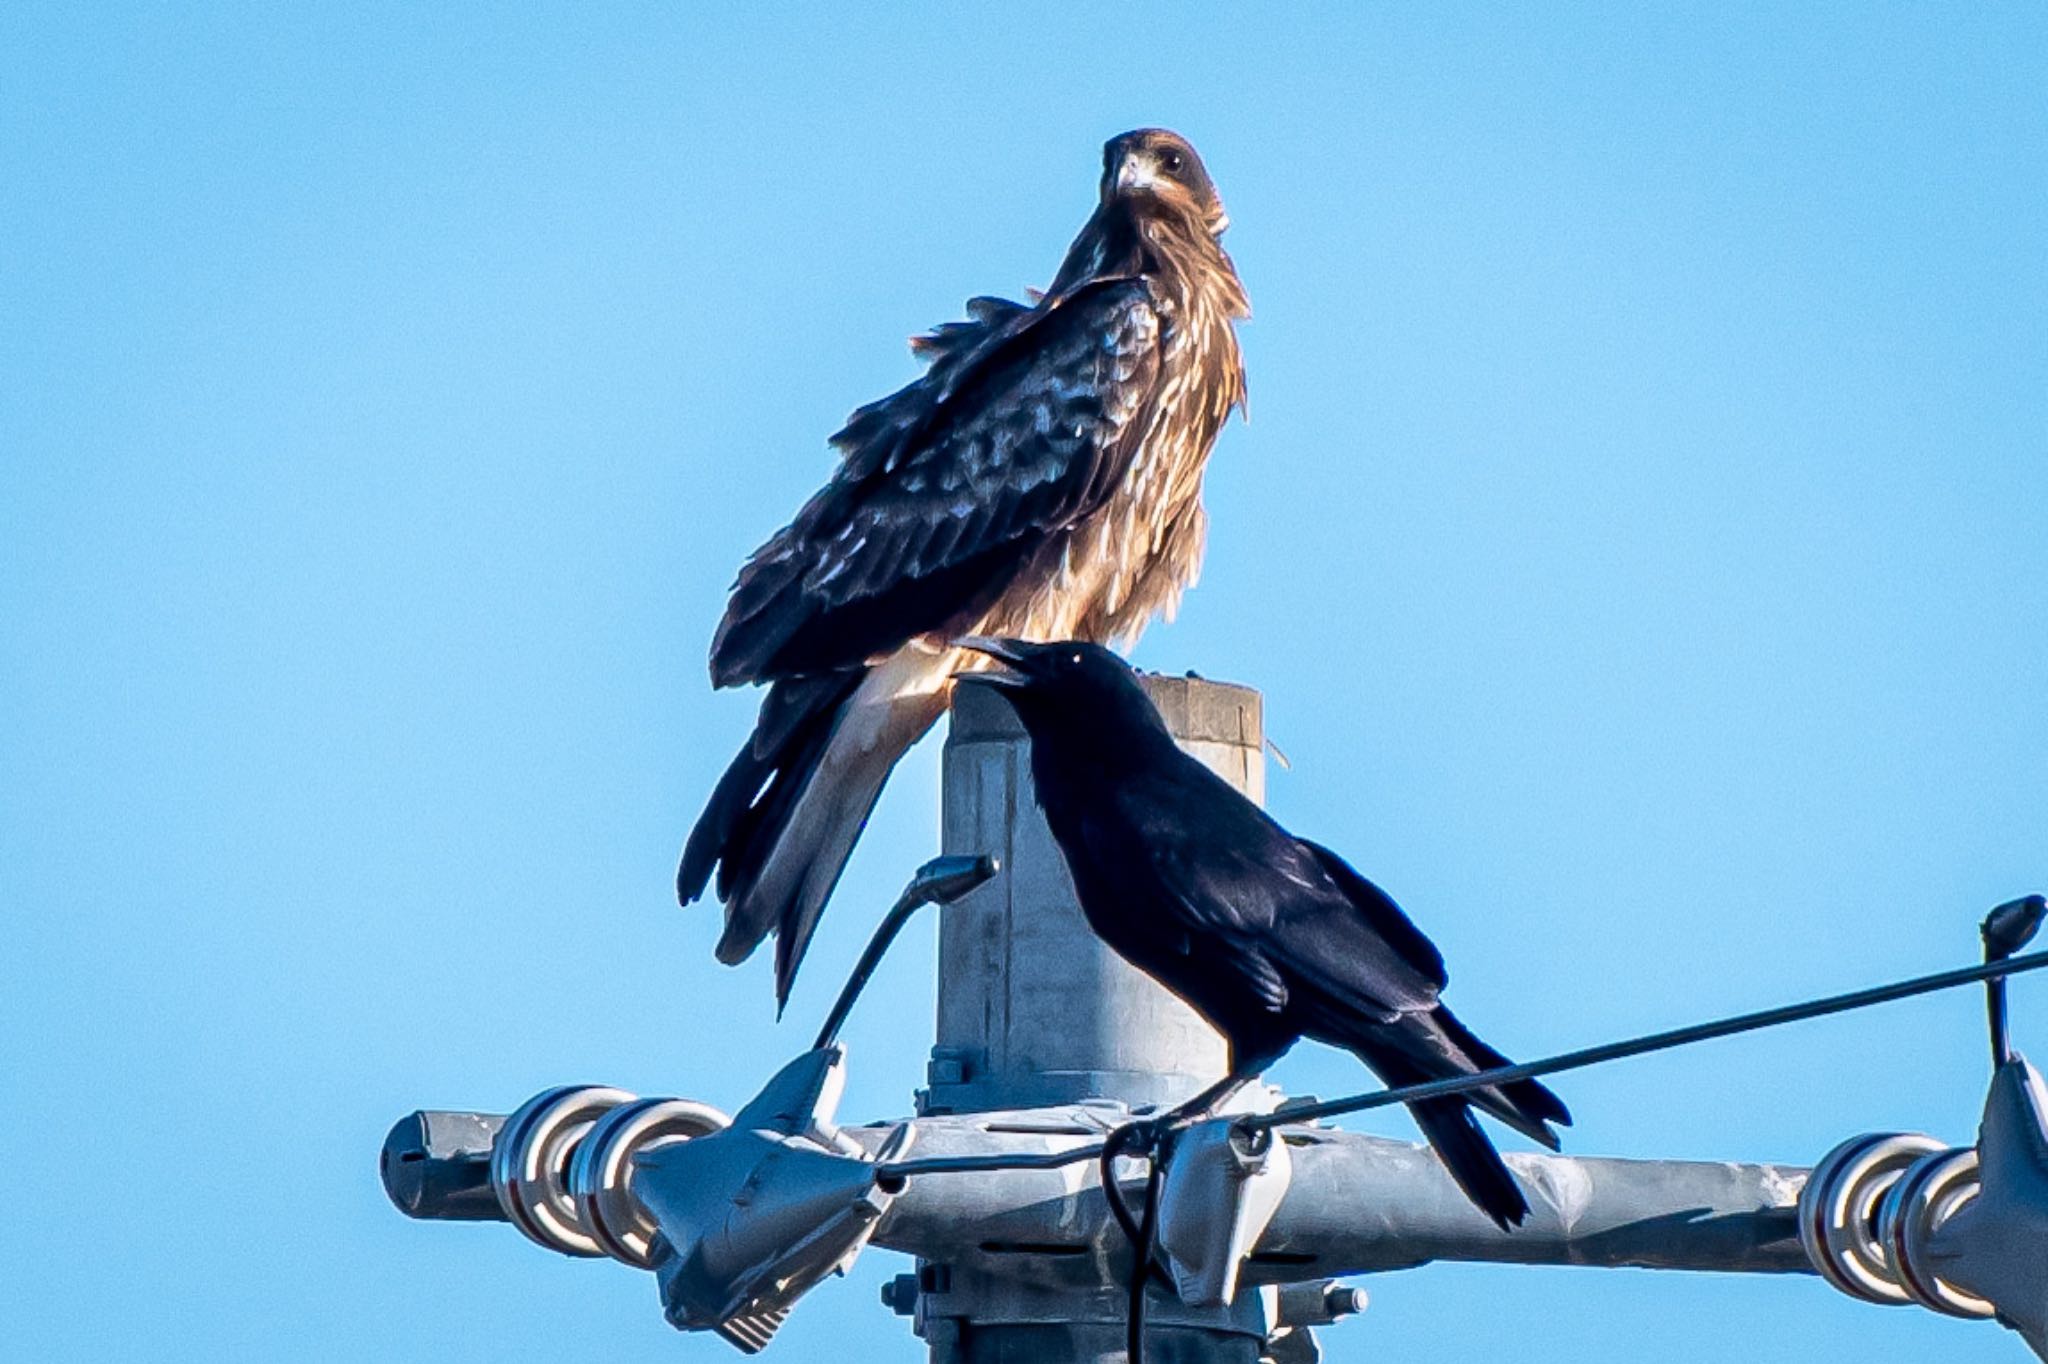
column 1638, row 540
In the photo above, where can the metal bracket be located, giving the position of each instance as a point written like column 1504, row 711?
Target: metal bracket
column 752, row 1216
column 1222, row 1187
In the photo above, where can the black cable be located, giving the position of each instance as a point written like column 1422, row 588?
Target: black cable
column 1129, row 1224
column 978, row 1163
column 2001, row 1033
column 938, row 882
column 1142, row 1268
column 1112, row 1191
column 1571, row 1060
column 1649, row 1042
column 884, row 936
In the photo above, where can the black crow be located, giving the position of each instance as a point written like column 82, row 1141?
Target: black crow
column 1270, row 937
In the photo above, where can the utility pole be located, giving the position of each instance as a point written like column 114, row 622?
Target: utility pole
column 1047, row 1042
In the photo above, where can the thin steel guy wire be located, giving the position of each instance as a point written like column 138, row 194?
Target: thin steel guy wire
column 1549, row 1065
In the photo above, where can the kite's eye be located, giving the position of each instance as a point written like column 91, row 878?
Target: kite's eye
column 1173, row 162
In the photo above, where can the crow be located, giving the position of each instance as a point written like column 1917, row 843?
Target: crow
column 1269, row 937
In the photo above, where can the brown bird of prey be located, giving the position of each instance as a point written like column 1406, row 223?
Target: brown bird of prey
column 1042, row 480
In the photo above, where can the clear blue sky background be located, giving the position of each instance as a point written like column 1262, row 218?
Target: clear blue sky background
column 1638, row 539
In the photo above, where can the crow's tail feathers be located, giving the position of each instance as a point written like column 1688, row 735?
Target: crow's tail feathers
column 1436, row 1046
column 1528, row 1106
column 1455, row 1136
column 784, row 818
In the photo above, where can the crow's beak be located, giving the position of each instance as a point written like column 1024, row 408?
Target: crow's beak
column 1003, row 651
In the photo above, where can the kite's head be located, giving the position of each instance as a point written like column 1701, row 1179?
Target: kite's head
column 1162, row 165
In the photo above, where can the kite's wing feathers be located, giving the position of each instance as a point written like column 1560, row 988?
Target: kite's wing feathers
column 1024, row 424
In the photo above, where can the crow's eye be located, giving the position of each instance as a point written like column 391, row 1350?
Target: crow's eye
column 1075, row 660
column 1173, row 162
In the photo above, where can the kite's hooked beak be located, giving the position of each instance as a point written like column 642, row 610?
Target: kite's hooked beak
column 1136, row 171
column 1004, row 651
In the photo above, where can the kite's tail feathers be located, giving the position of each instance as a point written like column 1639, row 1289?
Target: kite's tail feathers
column 783, row 820
column 1455, row 1136
column 752, row 800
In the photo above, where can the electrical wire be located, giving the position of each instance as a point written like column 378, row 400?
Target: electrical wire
column 1571, row 1060
column 1129, row 1223
column 1656, row 1041
column 976, row 1164
column 1142, row 1268
column 1112, row 1190
column 938, row 882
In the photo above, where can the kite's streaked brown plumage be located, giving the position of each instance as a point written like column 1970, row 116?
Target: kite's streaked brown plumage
column 1041, row 480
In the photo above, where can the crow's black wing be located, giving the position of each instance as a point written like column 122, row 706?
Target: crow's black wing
column 1387, row 918
column 1133, row 854
column 950, row 486
column 1229, row 874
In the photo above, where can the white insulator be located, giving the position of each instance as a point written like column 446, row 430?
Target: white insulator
column 530, row 1160
column 1838, row 1212
column 1926, row 1196
column 601, row 1171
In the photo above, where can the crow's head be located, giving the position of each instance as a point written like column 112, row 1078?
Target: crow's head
column 1073, row 688
column 1162, row 165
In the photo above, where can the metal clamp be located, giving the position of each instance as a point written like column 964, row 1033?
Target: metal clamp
column 1221, row 1188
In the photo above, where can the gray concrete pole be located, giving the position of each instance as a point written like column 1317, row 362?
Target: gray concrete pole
column 1034, row 1010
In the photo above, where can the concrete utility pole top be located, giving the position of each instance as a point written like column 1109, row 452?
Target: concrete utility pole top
column 1033, row 1008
